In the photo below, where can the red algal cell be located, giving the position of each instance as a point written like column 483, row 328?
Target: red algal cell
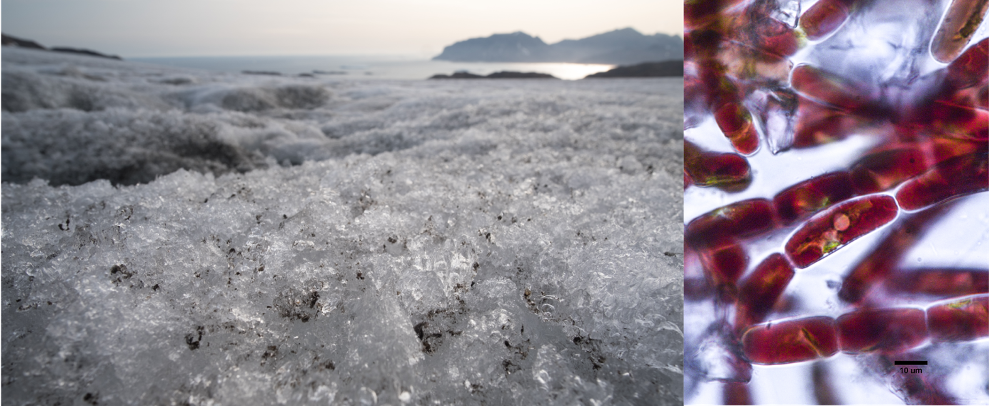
column 737, row 393
column 824, row 17
column 701, row 13
column 734, row 221
column 944, row 148
column 725, row 171
column 970, row 68
column 886, row 330
column 724, row 263
column 791, row 341
column 883, row 170
column 695, row 103
column 887, row 254
column 956, row 119
column 831, row 89
column 776, row 38
column 830, row 230
column 960, row 22
column 942, row 282
column 818, row 124
column 959, row 320
column 758, row 292
column 954, row 177
column 736, row 123
column 812, row 196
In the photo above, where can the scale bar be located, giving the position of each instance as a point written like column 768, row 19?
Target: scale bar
column 910, row 363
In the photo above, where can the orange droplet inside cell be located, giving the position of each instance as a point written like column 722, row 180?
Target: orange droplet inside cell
column 841, row 222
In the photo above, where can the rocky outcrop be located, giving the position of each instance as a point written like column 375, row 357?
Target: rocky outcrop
column 19, row 42
column 25, row 43
column 620, row 47
column 81, row 51
column 643, row 70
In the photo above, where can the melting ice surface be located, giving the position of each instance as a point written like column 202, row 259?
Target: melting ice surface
column 191, row 237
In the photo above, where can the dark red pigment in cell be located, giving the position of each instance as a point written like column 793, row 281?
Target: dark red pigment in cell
column 883, row 170
column 940, row 281
column 811, row 196
column 887, row 330
column 970, row 68
column 735, row 122
column 832, row 229
column 735, row 221
column 953, row 177
column 887, row 254
column 759, row 291
column 818, row 124
column 824, row 17
column 791, row 341
column 835, row 91
column 724, row 263
column 725, row 171
column 963, row 319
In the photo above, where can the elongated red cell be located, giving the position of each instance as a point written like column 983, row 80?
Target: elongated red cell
column 824, row 17
column 724, row 263
column 969, row 69
column 831, row 89
column 726, row 171
column 736, row 123
column 812, row 195
column 959, row 320
column 887, row 330
column 701, row 13
column 942, row 282
column 734, row 221
column 818, row 124
column 960, row 22
column 953, row 177
column 759, row 291
column 830, row 230
column 737, row 393
column 887, row 254
column 791, row 341
column 883, row 170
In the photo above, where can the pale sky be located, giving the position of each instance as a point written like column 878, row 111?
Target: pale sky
column 136, row 28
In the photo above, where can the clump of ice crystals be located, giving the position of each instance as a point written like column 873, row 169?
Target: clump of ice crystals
column 439, row 243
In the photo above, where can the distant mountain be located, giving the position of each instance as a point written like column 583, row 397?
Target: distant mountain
column 619, row 47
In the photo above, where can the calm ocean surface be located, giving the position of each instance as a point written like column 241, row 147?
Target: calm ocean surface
column 368, row 67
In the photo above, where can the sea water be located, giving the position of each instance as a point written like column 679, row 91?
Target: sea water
column 369, row 66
